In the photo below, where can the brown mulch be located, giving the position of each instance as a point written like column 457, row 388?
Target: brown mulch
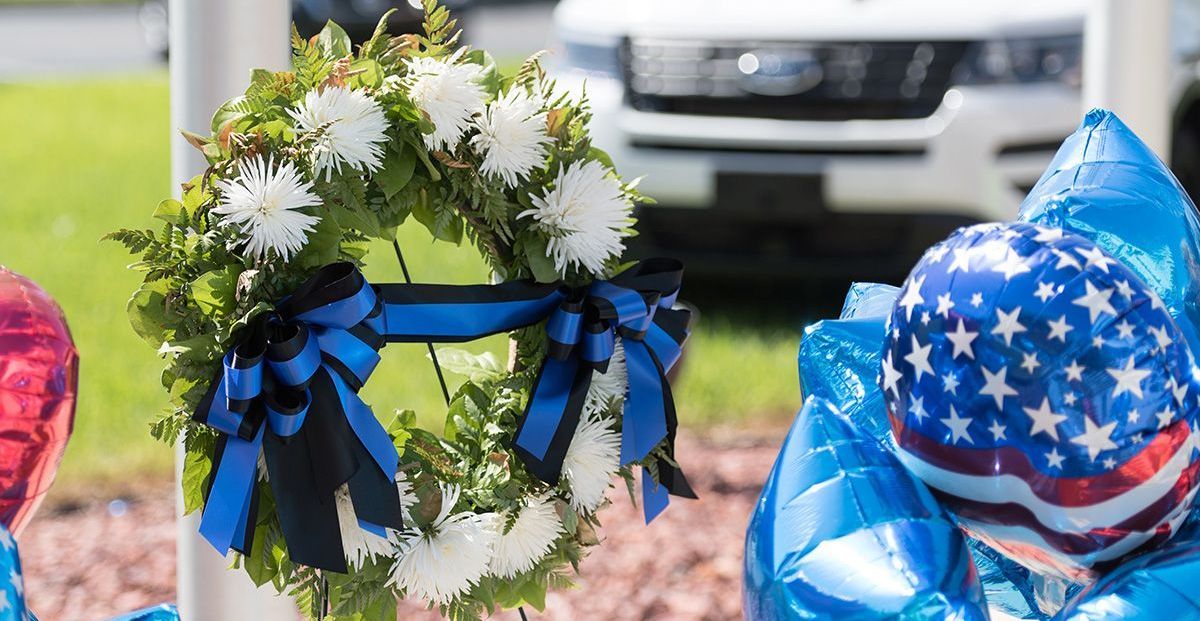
column 103, row 558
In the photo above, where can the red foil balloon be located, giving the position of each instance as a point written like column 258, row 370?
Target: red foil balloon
column 39, row 373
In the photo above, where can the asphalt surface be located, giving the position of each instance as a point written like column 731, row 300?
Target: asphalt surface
column 54, row 42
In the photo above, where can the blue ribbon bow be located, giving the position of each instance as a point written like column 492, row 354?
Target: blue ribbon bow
column 637, row 306
column 288, row 391
column 298, row 370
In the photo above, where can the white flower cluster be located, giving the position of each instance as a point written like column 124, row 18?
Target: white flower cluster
column 447, row 558
column 585, row 215
column 444, row 560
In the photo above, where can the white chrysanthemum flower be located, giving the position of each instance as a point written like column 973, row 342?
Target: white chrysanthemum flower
column 585, row 217
column 592, row 459
column 512, row 137
column 408, row 498
column 263, row 202
column 352, row 125
column 358, row 544
column 447, row 558
column 609, row 387
column 528, row 540
column 449, row 92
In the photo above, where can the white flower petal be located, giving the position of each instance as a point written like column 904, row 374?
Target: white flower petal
column 591, row 461
column 358, row 544
column 448, row 91
column 448, row 558
column 352, row 125
column 512, row 137
column 530, row 538
column 261, row 202
column 584, row 216
column 608, row 388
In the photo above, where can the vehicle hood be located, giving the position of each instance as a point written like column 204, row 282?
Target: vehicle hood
column 822, row 20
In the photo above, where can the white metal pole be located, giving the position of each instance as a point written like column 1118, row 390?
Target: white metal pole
column 1127, row 66
column 214, row 44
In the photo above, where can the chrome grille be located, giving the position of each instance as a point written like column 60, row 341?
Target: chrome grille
column 800, row 81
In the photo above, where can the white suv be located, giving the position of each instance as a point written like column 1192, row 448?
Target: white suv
column 849, row 132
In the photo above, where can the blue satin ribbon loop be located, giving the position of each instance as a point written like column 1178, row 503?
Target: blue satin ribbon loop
column 358, row 357
column 344, row 313
column 598, row 347
column 564, row 326
column 628, row 304
column 243, row 378
column 286, row 424
column 298, row 369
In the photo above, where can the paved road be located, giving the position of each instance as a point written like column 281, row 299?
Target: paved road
column 64, row 41
column 42, row 42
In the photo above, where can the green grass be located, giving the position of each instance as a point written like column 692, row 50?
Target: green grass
column 83, row 158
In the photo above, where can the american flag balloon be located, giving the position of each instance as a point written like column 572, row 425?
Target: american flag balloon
column 1045, row 395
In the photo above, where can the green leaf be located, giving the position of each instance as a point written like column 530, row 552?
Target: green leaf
column 475, row 367
column 214, row 291
column 399, row 428
column 377, row 44
column 196, row 468
column 570, row 518
column 169, row 210
column 534, row 594
column 260, row 562
column 147, row 311
column 601, row 156
column 443, row 224
column 324, row 242
column 231, row 110
column 334, row 41
column 539, row 260
column 397, row 170
column 368, row 73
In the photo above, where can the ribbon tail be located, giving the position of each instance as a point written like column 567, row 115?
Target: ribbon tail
column 654, row 496
column 229, row 511
column 644, row 424
column 373, row 485
column 670, row 475
column 546, row 428
column 306, row 469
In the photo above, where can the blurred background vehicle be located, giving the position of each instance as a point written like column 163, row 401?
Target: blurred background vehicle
column 357, row 17
column 839, row 137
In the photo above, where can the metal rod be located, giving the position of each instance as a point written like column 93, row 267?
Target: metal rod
column 432, row 354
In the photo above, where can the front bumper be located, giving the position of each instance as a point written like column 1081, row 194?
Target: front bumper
column 975, row 157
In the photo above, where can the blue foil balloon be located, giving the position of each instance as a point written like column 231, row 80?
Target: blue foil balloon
column 839, row 361
column 839, row 358
column 12, row 581
column 842, row 531
column 1106, row 185
column 1156, row 586
column 161, row 612
column 1044, row 394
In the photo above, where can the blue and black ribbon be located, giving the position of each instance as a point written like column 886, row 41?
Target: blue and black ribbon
column 637, row 306
column 289, row 391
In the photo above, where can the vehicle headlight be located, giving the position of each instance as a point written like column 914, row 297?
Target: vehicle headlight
column 1021, row 61
column 595, row 57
